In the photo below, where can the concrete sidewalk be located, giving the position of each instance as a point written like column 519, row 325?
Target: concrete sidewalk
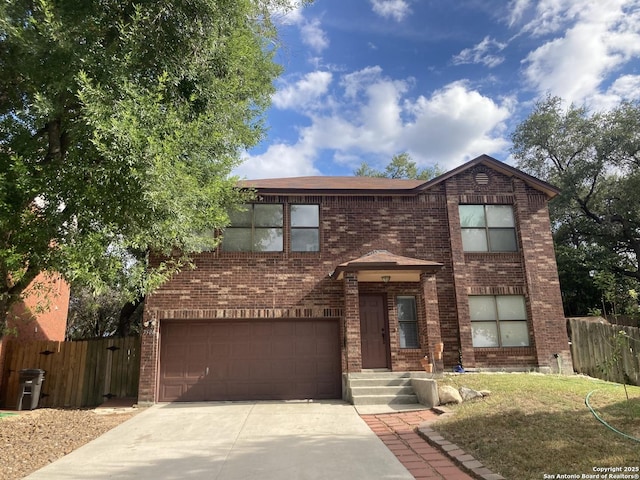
column 232, row 441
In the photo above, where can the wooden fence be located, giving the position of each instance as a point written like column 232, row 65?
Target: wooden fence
column 77, row 374
column 593, row 345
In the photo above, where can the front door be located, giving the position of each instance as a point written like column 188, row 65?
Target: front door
column 373, row 332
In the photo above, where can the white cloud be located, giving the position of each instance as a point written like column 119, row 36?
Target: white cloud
column 482, row 53
column 313, row 35
column 602, row 38
column 280, row 160
column 517, row 9
column 626, row 87
column 289, row 14
column 304, row 92
column 552, row 16
column 354, row 82
column 454, row 125
column 311, row 32
column 395, row 9
column 372, row 117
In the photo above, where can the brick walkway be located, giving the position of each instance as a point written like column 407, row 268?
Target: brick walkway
column 397, row 431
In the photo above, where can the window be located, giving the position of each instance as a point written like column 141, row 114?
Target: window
column 255, row 228
column 305, row 228
column 488, row 228
column 499, row 321
column 408, row 322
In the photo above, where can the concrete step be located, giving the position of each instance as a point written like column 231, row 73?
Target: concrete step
column 378, row 382
column 380, row 374
column 385, row 400
column 381, row 390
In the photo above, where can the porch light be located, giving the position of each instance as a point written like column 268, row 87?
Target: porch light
column 386, row 278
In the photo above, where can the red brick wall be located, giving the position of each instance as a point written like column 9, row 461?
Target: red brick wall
column 426, row 226
column 42, row 315
column 531, row 272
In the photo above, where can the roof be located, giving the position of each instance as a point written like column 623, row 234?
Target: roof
column 333, row 184
column 374, row 185
column 377, row 263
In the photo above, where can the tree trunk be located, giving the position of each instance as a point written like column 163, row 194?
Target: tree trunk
column 126, row 317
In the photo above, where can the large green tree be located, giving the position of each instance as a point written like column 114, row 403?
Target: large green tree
column 120, row 123
column 594, row 158
column 401, row 166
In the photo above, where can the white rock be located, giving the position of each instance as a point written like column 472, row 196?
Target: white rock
column 448, row 394
column 469, row 393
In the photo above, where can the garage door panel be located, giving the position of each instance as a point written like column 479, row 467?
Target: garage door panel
column 249, row 360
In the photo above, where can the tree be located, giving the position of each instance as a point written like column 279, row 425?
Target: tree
column 93, row 315
column 594, row 158
column 120, row 123
column 401, row 166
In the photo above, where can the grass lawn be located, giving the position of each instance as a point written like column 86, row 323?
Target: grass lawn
column 534, row 424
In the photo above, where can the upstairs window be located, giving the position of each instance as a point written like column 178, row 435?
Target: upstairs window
column 255, row 228
column 498, row 321
column 305, row 228
column 408, row 322
column 488, row 228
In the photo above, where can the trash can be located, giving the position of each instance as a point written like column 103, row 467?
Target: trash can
column 30, row 384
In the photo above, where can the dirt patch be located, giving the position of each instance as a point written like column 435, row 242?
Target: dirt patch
column 33, row 439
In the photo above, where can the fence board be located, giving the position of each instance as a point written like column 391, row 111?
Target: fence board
column 593, row 345
column 77, row 374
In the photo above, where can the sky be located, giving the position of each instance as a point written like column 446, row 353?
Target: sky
column 443, row 80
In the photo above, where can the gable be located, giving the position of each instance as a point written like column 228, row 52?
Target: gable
column 486, row 173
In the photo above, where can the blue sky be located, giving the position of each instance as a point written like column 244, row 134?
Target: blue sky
column 444, row 80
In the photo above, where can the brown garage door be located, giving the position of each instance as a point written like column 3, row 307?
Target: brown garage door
column 249, row 360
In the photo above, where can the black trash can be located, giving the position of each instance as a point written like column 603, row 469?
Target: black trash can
column 30, row 384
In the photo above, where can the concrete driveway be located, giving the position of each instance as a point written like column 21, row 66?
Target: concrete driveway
column 235, row 440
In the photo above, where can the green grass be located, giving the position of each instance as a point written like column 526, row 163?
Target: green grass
column 534, row 424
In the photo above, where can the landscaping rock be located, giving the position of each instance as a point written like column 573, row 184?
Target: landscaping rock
column 469, row 393
column 448, row 394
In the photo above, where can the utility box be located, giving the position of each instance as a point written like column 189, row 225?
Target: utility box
column 30, row 385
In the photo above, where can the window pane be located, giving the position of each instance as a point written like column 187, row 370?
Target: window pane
column 267, row 240
column 241, row 218
column 474, row 240
column 484, row 334
column 236, row 240
column 409, row 335
column 511, row 307
column 305, row 216
column 471, row 215
column 500, row 216
column 514, row 334
column 407, row 309
column 482, row 308
column 267, row 215
column 305, row 240
column 503, row 240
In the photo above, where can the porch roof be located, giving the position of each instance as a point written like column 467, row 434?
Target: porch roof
column 382, row 263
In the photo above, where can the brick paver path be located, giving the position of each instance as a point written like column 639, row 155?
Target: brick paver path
column 397, row 431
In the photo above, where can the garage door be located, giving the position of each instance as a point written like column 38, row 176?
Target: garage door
column 249, row 360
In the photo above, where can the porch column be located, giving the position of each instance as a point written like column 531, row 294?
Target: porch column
column 353, row 346
column 432, row 314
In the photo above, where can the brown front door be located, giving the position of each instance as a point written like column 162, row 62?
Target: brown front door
column 373, row 332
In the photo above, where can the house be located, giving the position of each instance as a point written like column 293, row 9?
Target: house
column 40, row 315
column 324, row 277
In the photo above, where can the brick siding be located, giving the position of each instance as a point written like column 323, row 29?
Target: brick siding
column 425, row 226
